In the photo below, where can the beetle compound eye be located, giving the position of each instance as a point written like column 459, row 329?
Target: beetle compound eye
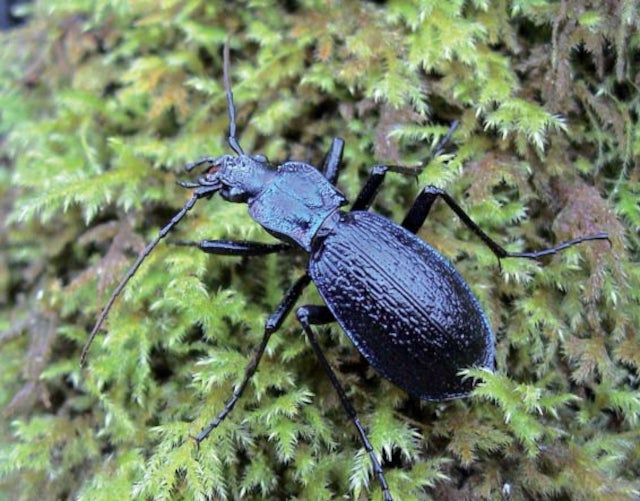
column 213, row 170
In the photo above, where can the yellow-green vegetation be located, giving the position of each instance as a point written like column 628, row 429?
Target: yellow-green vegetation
column 103, row 102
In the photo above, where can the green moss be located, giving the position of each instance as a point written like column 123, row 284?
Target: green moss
column 101, row 105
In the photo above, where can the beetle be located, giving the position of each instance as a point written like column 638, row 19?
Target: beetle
column 404, row 306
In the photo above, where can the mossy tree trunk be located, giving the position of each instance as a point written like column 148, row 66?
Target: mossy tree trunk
column 101, row 105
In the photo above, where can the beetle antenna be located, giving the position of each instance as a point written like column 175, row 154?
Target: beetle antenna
column 143, row 255
column 232, row 140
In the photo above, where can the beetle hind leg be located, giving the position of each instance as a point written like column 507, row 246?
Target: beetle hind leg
column 318, row 315
column 272, row 325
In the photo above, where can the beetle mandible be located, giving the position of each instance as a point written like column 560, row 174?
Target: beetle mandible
column 404, row 306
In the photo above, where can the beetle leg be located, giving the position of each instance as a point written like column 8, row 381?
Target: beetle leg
column 374, row 181
column 377, row 173
column 370, row 189
column 273, row 324
column 376, row 177
column 233, row 248
column 420, row 210
column 331, row 163
column 317, row 315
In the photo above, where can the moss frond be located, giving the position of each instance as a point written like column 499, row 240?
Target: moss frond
column 102, row 103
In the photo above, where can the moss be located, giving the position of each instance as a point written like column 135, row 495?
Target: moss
column 102, row 103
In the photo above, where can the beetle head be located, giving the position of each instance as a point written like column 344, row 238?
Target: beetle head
column 238, row 178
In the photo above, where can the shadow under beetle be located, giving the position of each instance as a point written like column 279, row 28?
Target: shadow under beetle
column 405, row 307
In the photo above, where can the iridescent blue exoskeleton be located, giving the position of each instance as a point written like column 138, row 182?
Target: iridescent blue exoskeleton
column 405, row 307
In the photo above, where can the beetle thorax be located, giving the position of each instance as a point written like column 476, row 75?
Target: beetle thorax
column 294, row 203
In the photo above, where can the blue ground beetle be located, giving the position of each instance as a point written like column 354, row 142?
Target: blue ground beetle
column 405, row 307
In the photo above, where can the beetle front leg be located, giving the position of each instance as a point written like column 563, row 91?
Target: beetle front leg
column 318, row 315
column 331, row 163
column 376, row 175
column 425, row 199
column 234, row 248
column 273, row 323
